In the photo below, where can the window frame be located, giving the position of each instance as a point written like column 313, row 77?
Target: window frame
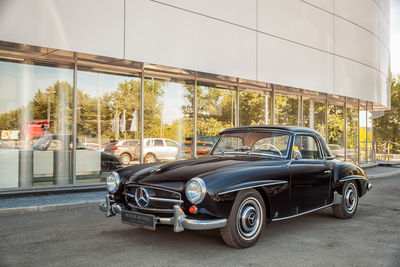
column 321, row 155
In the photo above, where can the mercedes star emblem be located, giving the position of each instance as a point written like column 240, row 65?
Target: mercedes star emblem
column 142, row 197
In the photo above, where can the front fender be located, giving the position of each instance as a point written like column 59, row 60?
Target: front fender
column 344, row 172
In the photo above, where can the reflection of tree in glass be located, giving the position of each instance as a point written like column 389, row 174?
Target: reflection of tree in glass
column 286, row 110
column 335, row 125
column 53, row 104
column 252, row 109
column 215, row 109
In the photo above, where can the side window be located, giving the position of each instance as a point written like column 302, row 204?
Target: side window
column 158, row 142
column 170, row 143
column 308, row 147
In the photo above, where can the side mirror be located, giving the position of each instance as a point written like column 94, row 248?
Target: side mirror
column 297, row 155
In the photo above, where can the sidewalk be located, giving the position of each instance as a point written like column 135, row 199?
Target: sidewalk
column 27, row 204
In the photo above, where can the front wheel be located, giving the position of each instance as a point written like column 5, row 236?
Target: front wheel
column 125, row 158
column 349, row 204
column 246, row 220
column 149, row 158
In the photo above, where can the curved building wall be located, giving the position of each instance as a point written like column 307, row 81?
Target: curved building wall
column 333, row 46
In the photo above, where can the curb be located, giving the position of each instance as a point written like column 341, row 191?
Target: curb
column 41, row 208
column 382, row 175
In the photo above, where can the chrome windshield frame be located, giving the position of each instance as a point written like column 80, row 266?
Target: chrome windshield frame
column 288, row 151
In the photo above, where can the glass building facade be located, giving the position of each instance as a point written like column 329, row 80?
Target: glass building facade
column 70, row 119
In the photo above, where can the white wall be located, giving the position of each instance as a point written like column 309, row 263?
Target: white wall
column 339, row 47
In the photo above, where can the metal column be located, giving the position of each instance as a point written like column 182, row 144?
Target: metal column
column 300, row 111
column 141, row 115
column 273, row 105
column 74, row 120
column 358, row 135
column 366, row 132
column 237, row 105
column 345, row 129
column 194, row 138
column 326, row 119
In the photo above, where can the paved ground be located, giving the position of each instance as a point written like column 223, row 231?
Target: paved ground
column 83, row 236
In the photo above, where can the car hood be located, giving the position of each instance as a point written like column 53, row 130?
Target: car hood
column 175, row 174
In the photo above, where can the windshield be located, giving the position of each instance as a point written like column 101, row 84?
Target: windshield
column 263, row 143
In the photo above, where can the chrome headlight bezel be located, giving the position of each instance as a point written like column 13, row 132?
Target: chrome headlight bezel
column 201, row 190
column 113, row 181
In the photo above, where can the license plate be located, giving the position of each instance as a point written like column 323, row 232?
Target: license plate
column 148, row 221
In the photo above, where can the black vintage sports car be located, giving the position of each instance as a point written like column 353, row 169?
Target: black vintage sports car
column 253, row 176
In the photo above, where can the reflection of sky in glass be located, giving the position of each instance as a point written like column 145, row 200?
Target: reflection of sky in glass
column 91, row 83
column 20, row 82
column 173, row 100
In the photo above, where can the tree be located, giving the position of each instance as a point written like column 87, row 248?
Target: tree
column 386, row 128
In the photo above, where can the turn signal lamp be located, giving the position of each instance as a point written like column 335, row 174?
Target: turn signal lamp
column 193, row 209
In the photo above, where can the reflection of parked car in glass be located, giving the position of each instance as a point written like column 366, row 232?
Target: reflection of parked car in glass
column 124, row 149
column 53, row 142
column 204, row 145
column 155, row 149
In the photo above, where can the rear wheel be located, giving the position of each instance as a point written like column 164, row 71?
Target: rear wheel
column 150, row 158
column 125, row 158
column 349, row 204
column 246, row 220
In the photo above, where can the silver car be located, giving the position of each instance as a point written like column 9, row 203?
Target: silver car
column 155, row 149
column 124, row 149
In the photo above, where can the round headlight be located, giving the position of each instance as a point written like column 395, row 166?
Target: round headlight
column 196, row 190
column 113, row 181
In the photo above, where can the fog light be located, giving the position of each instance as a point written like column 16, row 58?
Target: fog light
column 193, row 209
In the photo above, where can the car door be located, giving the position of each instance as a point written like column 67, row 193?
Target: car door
column 160, row 149
column 310, row 176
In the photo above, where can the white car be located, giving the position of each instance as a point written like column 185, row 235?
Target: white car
column 155, row 149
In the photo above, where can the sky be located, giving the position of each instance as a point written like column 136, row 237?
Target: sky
column 395, row 36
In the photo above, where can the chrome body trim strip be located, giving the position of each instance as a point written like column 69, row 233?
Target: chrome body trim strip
column 303, row 213
column 248, row 187
column 166, row 200
column 349, row 178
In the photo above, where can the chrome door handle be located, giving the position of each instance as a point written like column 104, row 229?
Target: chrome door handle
column 327, row 171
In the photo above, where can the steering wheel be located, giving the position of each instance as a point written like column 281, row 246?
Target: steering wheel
column 272, row 148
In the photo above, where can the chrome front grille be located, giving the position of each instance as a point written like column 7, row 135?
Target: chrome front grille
column 150, row 198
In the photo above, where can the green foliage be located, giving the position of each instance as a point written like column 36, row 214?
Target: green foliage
column 387, row 127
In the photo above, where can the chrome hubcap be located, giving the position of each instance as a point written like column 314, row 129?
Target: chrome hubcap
column 249, row 218
column 350, row 198
column 125, row 159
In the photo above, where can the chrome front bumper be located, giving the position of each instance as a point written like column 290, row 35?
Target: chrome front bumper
column 180, row 221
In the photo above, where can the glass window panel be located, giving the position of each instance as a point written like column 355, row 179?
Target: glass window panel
column 352, row 134
column 286, row 110
column 307, row 146
column 363, row 134
column 216, row 112
column 36, row 125
column 108, row 110
column 336, row 130
column 314, row 115
column 168, row 114
column 254, row 108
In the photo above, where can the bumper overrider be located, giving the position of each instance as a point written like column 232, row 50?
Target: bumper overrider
column 179, row 221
